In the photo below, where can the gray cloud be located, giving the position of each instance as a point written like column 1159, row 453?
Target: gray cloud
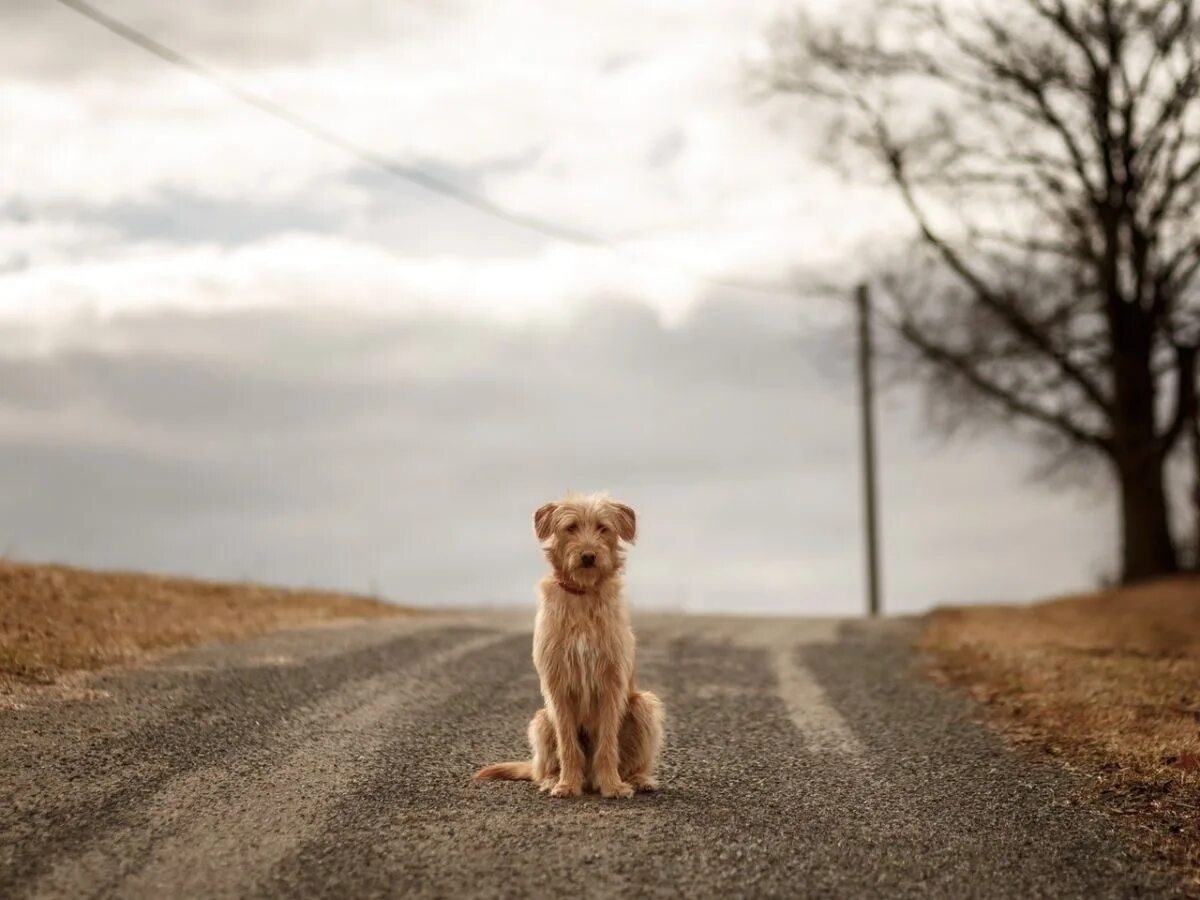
column 364, row 204
column 182, row 218
column 349, row 448
column 405, row 454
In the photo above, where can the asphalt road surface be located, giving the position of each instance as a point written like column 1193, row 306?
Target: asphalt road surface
column 805, row 759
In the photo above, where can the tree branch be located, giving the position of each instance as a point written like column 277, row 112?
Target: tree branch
column 1002, row 307
column 961, row 365
column 1185, row 396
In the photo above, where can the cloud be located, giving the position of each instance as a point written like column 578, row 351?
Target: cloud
column 520, row 102
column 230, row 350
column 307, row 270
column 40, row 36
column 406, row 451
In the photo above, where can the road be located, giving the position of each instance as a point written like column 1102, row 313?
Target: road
column 805, row 759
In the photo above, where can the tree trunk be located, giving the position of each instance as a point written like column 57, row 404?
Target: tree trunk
column 1147, row 548
column 1138, row 451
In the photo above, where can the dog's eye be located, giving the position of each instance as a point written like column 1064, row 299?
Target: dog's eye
column 603, row 529
column 572, row 528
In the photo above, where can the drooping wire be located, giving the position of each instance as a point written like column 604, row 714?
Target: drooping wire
column 412, row 174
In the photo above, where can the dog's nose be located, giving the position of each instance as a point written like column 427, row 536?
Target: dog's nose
column 588, row 559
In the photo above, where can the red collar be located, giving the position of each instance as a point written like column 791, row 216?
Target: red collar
column 570, row 588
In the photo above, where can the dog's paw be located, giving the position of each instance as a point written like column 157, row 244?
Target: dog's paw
column 547, row 784
column 619, row 789
column 566, row 789
column 644, row 783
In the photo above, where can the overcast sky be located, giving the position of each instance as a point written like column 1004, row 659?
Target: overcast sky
column 230, row 351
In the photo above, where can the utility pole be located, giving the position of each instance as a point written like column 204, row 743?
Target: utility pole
column 867, row 403
column 1194, row 416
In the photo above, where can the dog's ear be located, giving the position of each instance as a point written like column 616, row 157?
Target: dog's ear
column 543, row 520
column 625, row 521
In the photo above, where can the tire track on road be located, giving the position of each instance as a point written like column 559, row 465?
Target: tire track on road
column 225, row 714
column 962, row 814
column 405, row 796
column 250, row 812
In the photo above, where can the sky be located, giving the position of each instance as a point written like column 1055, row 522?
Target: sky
column 228, row 350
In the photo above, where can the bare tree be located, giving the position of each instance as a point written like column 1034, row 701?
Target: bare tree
column 1048, row 152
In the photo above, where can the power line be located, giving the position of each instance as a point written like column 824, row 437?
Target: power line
column 411, row 174
column 262, row 104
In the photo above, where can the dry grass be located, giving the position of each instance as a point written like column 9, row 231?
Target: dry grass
column 56, row 620
column 1108, row 682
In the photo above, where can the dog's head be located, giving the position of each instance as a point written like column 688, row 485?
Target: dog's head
column 582, row 536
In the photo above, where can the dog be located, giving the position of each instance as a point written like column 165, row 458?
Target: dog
column 596, row 730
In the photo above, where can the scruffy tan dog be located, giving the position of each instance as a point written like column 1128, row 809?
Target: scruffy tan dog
column 597, row 729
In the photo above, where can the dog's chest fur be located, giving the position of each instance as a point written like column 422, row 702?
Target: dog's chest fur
column 586, row 651
column 582, row 662
column 583, row 649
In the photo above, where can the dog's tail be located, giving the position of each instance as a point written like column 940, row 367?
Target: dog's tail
column 507, row 771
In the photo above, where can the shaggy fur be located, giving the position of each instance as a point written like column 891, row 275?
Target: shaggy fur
column 597, row 730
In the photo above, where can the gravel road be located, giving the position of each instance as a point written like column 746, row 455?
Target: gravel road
column 805, row 759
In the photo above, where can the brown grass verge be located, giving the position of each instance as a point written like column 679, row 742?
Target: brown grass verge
column 56, row 620
column 1109, row 683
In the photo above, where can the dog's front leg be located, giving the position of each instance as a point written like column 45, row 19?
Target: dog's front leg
column 607, row 756
column 570, row 754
